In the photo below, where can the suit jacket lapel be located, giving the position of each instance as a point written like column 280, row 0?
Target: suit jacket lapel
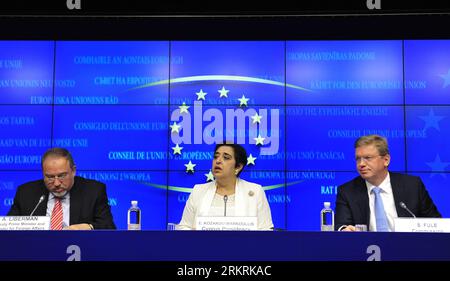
column 397, row 192
column 75, row 203
column 363, row 200
column 207, row 199
column 240, row 202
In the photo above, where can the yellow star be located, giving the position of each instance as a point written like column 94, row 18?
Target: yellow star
column 184, row 108
column 259, row 140
column 175, row 127
column 243, row 101
column 177, row 149
column 209, row 176
column 223, row 92
column 251, row 160
column 201, row 95
column 190, row 167
column 256, row 118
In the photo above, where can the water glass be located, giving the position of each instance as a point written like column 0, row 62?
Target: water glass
column 171, row 226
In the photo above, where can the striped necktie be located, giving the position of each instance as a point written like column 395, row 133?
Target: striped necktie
column 56, row 220
column 380, row 214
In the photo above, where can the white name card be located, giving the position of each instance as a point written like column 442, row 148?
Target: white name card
column 226, row 223
column 421, row 225
column 25, row 223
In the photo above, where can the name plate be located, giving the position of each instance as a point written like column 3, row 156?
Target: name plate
column 421, row 225
column 226, row 223
column 25, row 223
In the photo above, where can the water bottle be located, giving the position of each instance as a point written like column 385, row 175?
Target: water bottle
column 326, row 218
column 134, row 216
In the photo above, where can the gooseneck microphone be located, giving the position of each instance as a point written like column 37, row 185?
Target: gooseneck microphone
column 225, row 199
column 403, row 205
column 38, row 203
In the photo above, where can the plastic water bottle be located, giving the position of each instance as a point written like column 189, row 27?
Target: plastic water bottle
column 326, row 218
column 134, row 216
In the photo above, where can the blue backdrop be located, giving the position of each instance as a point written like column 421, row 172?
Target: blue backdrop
column 122, row 107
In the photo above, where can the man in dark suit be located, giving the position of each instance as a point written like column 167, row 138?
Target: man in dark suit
column 82, row 203
column 356, row 201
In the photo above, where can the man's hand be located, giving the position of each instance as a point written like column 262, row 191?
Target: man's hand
column 81, row 226
column 349, row 228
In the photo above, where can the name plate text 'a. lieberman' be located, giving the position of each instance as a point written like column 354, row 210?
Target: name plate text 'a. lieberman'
column 422, row 225
column 25, row 223
column 226, row 223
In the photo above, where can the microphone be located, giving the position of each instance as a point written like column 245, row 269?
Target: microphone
column 403, row 205
column 225, row 199
column 38, row 203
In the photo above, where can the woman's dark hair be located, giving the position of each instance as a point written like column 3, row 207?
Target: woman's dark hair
column 239, row 154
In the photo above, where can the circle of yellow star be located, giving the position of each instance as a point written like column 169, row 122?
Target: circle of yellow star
column 223, row 92
column 243, row 101
column 177, row 149
column 209, row 176
column 201, row 95
column 259, row 140
column 251, row 160
column 190, row 167
column 256, row 118
column 175, row 127
column 184, row 108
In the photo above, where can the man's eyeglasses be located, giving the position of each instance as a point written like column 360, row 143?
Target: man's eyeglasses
column 59, row 177
column 366, row 158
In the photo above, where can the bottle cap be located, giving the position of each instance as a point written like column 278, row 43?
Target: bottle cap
column 326, row 204
column 134, row 203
